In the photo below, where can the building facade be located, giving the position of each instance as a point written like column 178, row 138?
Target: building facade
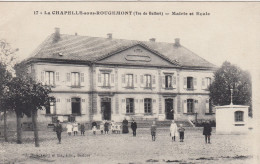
column 112, row 79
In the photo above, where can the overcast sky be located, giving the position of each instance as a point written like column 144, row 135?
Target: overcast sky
column 230, row 32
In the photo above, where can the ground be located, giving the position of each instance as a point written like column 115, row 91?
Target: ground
column 124, row 148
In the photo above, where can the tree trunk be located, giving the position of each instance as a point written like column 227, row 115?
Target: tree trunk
column 5, row 126
column 35, row 128
column 19, row 128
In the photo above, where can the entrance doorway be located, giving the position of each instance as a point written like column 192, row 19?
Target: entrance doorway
column 169, row 111
column 106, row 108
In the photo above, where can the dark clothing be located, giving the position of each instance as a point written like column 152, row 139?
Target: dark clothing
column 106, row 126
column 82, row 128
column 153, row 130
column 134, row 127
column 207, row 130
column 125, row 126
column 181, row 135
column 94, row 124
column 58, row 129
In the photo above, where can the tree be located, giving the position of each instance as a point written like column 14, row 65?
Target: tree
column 26, row 96
column 229, row 77
column 7, row 61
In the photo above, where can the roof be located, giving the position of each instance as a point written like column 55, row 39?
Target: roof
column 91, row 49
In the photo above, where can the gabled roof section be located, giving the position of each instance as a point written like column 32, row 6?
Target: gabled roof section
column 93, row 49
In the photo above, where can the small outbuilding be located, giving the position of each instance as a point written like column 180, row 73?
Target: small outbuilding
column 231, row 119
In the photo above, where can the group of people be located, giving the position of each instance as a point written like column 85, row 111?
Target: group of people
column 175, row 131
column 73, row 127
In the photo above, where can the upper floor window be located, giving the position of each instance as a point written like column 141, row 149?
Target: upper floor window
column 239, row 116
column 168, row 81
column 208, row 82
column 147, row 80
column 189, row 82
column 129, row 105
column 190, row 105
column 129, row 80
column 49, row 78
column 147, row 105
column 75, row 79
column 51, row 106
column 105, row 79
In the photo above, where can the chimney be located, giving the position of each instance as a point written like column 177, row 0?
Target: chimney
column 177, row 42
column 152, row 40
column 109, row 35
column 56, row 34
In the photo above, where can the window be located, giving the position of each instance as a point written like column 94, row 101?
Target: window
column 129, row 80
column 49, row 78
column 208, row 82
column 168, row 81
column 147, row 80
column 239, row 116
column 147, row 105
column 75, row 79
column 51, row 106
column 189, row 82
column 75, row 106
column 129, row 105
column 190, row 106
column 105, row 79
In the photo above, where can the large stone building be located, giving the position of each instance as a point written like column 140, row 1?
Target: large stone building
column 104, row 78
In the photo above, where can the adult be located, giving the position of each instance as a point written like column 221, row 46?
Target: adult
column 134, row 127
column 58, row 129
column 207, row 131
column 69, row 128
column 75, row 128
column 125, row 126
column 173, row 130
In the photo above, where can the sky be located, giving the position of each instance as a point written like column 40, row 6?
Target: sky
column 229, row 33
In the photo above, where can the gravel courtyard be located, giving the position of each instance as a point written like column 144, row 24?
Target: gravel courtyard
column 123, row 148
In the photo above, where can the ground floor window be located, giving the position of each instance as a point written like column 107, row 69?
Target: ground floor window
column 75, row 105
column 239, row 116
column 190, row 106
column 51, row 106
column 129, row 105
column 147, row 105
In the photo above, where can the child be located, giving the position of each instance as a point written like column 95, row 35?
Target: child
column 82, row 129
column 75, row 128
column 153, row 131
column 106, row 127
column 102, row 127
column 173, row 130
column 69, row 128
column 94, row 127
column 181, row 131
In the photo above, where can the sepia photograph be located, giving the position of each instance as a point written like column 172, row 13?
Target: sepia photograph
column 129, row 82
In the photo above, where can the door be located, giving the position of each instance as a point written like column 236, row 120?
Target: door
column 106, row 108
column 169, row 111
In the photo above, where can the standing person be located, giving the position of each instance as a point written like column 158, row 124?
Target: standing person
column 102, row 127
column 69, row 128
column 58, row 129
column 125, row 126
column 207, row 132
column 94, row 127
column 181, row 131
column 106, row 125
column 153, row 131
column 75, row 128
column 134, row 127
column 82, row 129
column 173, row 130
